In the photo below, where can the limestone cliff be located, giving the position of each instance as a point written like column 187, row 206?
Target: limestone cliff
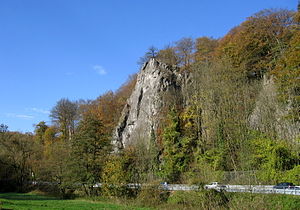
column 270, row 116
column 157, row 84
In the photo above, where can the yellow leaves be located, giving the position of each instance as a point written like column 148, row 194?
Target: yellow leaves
column 168, row 56
column 113, row 171
column 257, row 42
column 108, row 106
column 287, row 75
column 205, row 49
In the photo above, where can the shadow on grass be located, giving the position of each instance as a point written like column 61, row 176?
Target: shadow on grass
column 22, row 196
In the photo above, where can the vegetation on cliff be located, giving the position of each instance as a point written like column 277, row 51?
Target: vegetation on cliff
column 208, row 137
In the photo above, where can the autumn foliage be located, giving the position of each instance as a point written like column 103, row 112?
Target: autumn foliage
column 206, row 137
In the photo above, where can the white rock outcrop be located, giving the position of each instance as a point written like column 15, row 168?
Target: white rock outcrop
column 270, row 116
column 157, row 84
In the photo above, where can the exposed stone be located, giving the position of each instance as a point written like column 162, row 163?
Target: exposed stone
column 157, row 84
column 270, row 116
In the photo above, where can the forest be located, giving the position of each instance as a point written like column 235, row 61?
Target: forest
column 214, row 135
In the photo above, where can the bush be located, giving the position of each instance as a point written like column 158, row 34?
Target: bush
column 207, row 199
column 56, row 190
column 152, row 196
column 186, row 199
column 212, row 199
column 293, row 175
column 119, row 191
column 263, row 201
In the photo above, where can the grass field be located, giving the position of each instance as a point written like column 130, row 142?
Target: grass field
column 177, row 200
column 31, row 201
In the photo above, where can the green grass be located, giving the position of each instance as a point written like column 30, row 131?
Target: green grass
column 264, row 201
column 30, row 201
column 177, row 200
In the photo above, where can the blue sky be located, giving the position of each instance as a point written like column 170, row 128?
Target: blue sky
column 79, row 49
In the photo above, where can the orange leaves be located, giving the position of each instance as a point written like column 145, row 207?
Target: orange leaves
column 287, row 75
column 108, row 106
column 258, row 41
column 205, row 48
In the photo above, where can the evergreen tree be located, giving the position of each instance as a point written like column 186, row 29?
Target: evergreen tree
column 3, row 128
column 174, row 160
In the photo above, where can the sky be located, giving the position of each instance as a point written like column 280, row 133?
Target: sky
column 79, row 49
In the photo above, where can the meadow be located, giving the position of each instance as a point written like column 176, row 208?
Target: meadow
column 33, row 201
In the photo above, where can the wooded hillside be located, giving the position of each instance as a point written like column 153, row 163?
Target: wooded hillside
column 229, row 121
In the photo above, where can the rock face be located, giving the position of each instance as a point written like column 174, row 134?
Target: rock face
column 157, row 84
column 270, row 116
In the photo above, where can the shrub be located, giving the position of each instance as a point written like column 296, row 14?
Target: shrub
column 207, row 199
column 152, row 196
column 246, row 201
column 212, row 199
column 186, row 199
column 293, row 175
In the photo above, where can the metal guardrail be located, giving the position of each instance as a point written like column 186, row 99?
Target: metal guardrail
column 180, row 187
column 266, row 189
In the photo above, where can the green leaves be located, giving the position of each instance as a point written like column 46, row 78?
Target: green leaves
column 272, row 159
column 176, row 149
column 90, row 149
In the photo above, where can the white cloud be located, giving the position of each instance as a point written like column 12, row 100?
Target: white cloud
column 21, row 116
column 37, row 110
column 99, row 69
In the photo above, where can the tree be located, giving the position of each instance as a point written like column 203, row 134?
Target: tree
column 297, row 15
column 271, row 158
column 168, row 56
column 287, row 76
column 90, row 147
column 115, row 175
column 255, row 45
column 174, row 158
column 184, row 50
column 65, row 115
column 16, row 153
column 205, row 48
column 218, row 113
column 108, row 107
column 124, row 92
column 150, row 53
column 39, row 131
column 120, row 170
column 55, row 166
column 145, row 161
column 3, row 128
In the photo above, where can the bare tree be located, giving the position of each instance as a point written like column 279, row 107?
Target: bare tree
column 65, row 115
column 185, row 49
column 168, row 55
